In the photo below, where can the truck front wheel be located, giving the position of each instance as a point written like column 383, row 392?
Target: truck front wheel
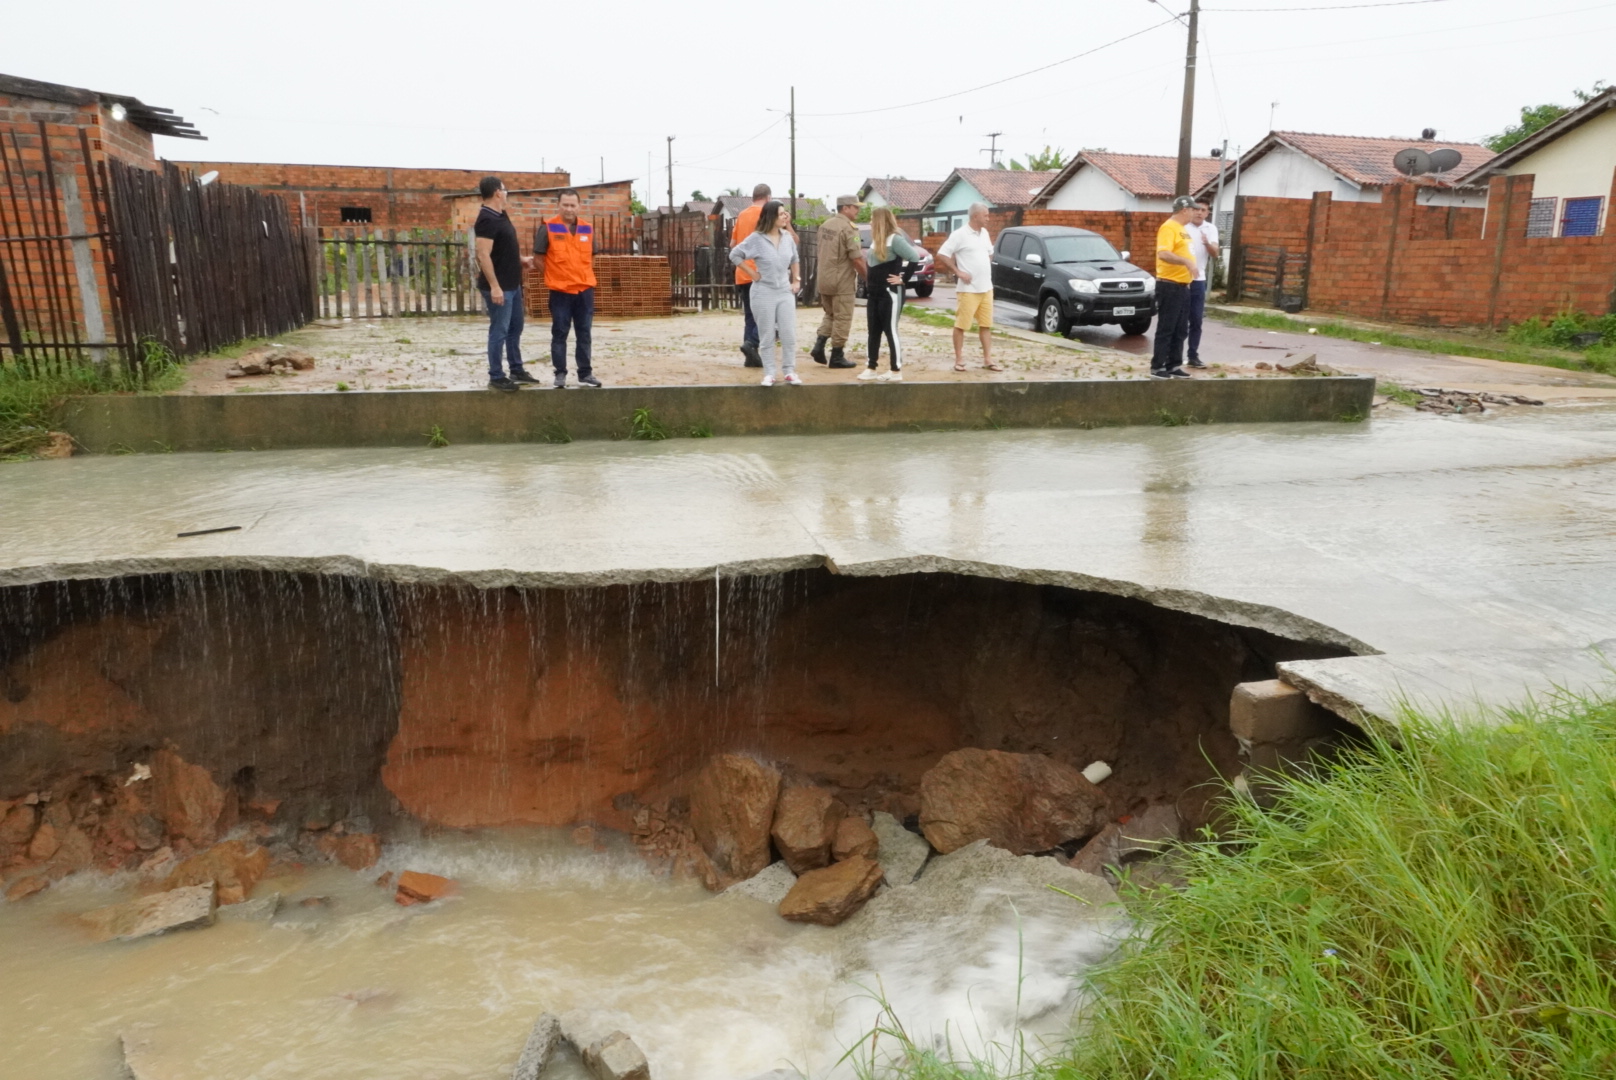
column 1135, row 326
column 1051, row 319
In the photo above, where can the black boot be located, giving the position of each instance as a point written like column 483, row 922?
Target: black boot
column 753, row 357
column 818, row 351
column 838, row 360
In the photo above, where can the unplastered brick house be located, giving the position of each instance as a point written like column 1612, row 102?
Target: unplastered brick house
column 359, row 196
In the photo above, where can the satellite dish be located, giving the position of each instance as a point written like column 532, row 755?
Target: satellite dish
column 1443, row 160
column 1411, row 162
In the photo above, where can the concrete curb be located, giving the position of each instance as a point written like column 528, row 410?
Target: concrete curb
column 143, row 424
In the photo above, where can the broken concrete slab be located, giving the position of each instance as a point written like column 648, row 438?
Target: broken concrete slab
column 616, row 1058
column 769, row 884
column 176, row 909
column 1477, row 685
column 541, row 1043
column 263, row 909
column 902, row 853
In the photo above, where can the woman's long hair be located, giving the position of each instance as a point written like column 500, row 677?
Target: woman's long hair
column 883, row 223
column 770, row 217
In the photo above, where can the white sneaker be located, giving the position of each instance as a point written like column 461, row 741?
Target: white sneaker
column 793, row 380
column 890, row 376
column 768, row 380
column 867, row 374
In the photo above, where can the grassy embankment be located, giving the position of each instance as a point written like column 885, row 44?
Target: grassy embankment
column 1442, row 910
column 1531, row 342
column 31, row 403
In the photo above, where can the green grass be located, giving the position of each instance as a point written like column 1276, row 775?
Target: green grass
column 644, row 425
column 1488, row 347
column 435, row 438
column 1441, row 910
column 1400, row 394
column 32, row 405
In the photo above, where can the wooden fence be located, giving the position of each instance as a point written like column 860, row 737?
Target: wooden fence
column 382, row 273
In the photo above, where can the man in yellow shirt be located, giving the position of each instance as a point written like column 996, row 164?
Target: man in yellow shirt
column 1175, row 273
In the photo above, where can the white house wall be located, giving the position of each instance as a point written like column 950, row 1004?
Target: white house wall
column 1578, row 164
column 1091, row 189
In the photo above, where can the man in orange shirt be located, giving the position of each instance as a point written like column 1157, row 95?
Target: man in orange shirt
column 745, row 225
column 1175, row 273
column 565, row 249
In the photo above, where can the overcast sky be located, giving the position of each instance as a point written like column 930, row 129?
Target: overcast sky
column 411, row 83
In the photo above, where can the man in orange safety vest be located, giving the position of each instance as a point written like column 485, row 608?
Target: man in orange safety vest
column 565, row 250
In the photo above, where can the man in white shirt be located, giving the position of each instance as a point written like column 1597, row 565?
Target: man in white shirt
column 968, row 255
column 1203, row 243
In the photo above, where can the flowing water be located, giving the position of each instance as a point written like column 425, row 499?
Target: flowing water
column 711, row 987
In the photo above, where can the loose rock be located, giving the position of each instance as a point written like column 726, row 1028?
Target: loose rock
column 1100, row 851
column 44, row 843
column 616, row 1058
column 541, row 1044
column 854, row 837
column 17, row 827
column 1149, row 833
column 902, row 853
column 805, row 823
column 731, row 810
column 415, row 887
column 829, row 895
column 356, row 851
column 187, row 799
column 262, row 909
column 234, row 866
column 770, row 884
column 1023, row 803
column 23, row 888
column 177, row 909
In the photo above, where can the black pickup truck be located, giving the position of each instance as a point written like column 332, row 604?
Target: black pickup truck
column 1074, row 277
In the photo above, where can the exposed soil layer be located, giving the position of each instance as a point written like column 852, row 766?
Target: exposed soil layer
column 459, row 707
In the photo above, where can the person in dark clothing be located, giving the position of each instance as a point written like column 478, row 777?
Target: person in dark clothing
column 1175, row 273
column 890, row 251
column 499, row 278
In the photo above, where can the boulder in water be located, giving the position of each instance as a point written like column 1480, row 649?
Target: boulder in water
column 731, row 810
column 541, row 1044
column 1023, row 803
column 176, row 909
column 805, row 822
column 769, row 884
column 263, row 909
column 829, row 895
column 233, row 866
column 356, row 851
column 854, row 837
column 616, row 1058
column 902, row 853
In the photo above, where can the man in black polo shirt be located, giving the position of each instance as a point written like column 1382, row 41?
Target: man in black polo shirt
column 499, row 277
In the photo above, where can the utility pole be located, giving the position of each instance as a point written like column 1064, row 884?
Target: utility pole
column 992, row 150
column 1187, row 121
column 793, row 155
column 670, row 174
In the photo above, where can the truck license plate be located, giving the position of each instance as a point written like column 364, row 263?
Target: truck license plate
column 1122, row 311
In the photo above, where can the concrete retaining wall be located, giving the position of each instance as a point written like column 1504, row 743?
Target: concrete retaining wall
column 108, row 424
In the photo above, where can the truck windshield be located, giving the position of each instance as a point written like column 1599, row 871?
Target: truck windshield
column 1071, row 249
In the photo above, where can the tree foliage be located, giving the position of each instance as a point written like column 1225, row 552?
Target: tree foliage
column 1046, row 159
column 1535, row 118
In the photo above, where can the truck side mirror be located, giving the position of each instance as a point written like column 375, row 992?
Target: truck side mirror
column 1036, row 259
column 1127, row 256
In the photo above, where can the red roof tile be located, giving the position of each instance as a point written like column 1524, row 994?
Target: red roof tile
column 902, row 193
column 1366, row 160
column 1006, row 187
column 1150, row 175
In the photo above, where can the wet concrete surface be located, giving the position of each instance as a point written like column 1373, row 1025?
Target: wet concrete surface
column 1408, row 533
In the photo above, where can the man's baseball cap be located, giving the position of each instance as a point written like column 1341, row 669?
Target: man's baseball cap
column 1183, row 202
column 846, row 200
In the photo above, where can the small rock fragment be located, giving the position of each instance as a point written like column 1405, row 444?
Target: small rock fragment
column 541, row 1044
column 356, row 851
column 902, row 853
column 415, row 887
column 177, row 909
column 805, row 822
column 616, row 1058
column 829, row 895
column 262, row 909
column 1097, row 772
column 26, row 887
column 17, row 827
column 234, row 866
column 44, row 843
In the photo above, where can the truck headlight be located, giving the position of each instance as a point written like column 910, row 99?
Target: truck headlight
column 1150, row 285
column 1083, row 285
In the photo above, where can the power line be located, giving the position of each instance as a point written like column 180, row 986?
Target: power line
column 772, row 125
column 1007, row 78
column 1323, row 7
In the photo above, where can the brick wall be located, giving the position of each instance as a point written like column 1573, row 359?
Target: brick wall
column 397, row 198
column 625, row 285
column 1435, row 266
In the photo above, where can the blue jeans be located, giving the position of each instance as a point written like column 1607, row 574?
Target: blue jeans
column 504, row 332
column 1197, row 315
column 571, row 311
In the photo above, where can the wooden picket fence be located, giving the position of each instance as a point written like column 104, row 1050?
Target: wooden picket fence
column 383, row 273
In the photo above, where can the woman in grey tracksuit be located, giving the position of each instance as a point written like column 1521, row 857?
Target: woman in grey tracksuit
column 890, row 249
column 774, row 291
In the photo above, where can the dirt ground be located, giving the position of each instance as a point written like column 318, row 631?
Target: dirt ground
column 682, row 350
